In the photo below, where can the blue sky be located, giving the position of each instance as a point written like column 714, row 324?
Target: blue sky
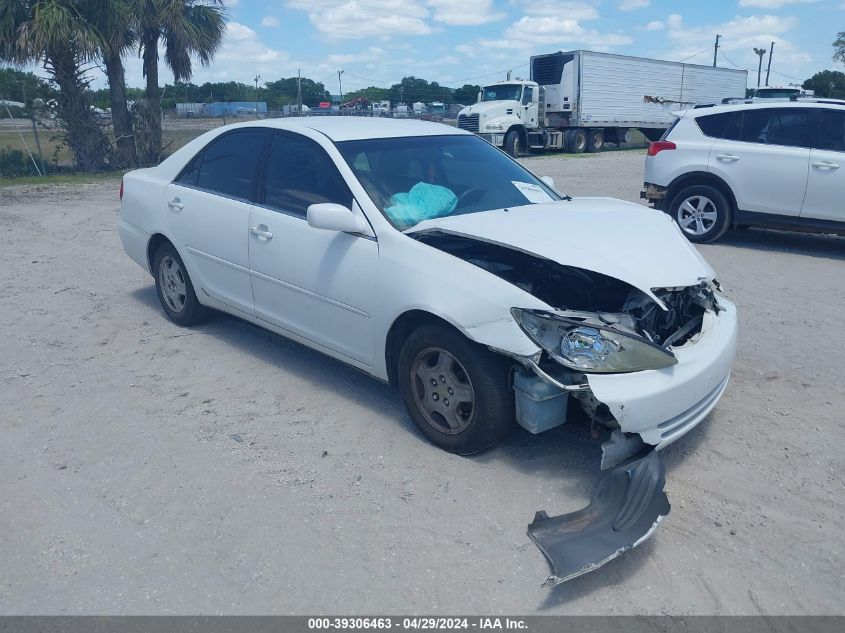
column 377, row 42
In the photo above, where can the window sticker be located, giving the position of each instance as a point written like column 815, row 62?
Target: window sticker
column 533, row 193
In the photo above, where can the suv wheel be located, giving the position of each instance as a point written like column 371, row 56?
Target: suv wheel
column 702, row 212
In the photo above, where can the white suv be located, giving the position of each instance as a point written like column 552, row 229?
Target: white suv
column 756, row 164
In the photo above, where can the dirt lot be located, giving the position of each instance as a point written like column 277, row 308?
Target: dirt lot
column 150, row 469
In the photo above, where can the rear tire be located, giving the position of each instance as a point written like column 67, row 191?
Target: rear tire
column 595, row 141
column 437, row 363
column 702, row 212
column 174, row 288
column 576, row 141
column 512, row 144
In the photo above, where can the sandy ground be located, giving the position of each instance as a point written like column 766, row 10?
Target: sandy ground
column 150, row 469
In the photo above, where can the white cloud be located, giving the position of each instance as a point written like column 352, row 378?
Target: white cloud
column 466, row 12
column 357, row 19
column 529, row 32
column 270, row 20
column 772, row 4
column 632, row 5
column 655, row 25
column 565, row 9
column 674, row 21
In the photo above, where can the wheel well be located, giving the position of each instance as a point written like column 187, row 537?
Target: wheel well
column 701, row 178
column 400, row 330
column 155, row 242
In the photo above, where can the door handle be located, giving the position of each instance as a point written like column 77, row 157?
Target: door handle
column 175, row 204
column 824, row 164
column 728, row 158
column 261, row 231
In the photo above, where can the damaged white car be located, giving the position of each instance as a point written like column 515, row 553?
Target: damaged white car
column 426, row 257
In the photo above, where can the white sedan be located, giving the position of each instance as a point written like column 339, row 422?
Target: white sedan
column 426, row 257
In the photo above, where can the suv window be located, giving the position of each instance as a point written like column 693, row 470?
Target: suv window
column 229, row 164
column 299, row 174
column 831, row 130
column 724, row 125
column 777, row 126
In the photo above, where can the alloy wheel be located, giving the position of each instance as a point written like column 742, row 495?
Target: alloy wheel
column 697, row 215
column 172, row 281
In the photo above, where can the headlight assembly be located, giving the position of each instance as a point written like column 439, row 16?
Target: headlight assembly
column 588, row 346
column 494, row 126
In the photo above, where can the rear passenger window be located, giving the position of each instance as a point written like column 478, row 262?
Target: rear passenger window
column 190, row 172
column 229, row 164
column 777, row 126
column 719, row 125
column 832, row 130
column 300, row 174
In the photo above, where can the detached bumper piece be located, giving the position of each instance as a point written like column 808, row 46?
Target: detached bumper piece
column 627, row 507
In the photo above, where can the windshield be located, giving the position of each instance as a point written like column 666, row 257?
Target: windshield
column 411, row 179
column 502, row 92
column 777, row 93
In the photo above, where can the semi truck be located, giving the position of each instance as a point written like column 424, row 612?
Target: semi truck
column 577, row 101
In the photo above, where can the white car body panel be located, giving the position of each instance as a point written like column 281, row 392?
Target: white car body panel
column 825, row 186
column 563, row 231
column 345, row 291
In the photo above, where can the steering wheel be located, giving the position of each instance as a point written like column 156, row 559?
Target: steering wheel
column 466, row 194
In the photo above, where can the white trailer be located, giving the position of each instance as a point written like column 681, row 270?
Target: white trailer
column 577, row 100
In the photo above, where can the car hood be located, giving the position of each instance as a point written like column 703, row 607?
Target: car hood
column 635, row 244
column 484, row 107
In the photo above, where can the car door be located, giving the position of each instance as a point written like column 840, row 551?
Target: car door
column 316, row 283
column 764, row 155
column 208, row 207
column 825, row 199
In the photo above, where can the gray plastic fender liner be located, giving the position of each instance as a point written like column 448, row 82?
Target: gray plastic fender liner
column 626, row 508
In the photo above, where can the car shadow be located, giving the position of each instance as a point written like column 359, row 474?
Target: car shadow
column 810, row 244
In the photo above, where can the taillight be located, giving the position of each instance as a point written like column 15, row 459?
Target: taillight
column 658, row 146
column 121, row 189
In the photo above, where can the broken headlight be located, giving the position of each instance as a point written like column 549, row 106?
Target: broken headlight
column 590, row 345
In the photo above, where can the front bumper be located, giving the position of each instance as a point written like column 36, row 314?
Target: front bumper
column 663, row 405
column 497, row 139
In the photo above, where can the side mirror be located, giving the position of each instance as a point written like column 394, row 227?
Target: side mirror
column 334, row 217
column 548, row 180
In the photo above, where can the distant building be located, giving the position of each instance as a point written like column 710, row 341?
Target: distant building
column 220, row 109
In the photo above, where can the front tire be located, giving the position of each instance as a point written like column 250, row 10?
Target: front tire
column 702, row 212
column 174, row 288
column 457, row 393
column 512, row 144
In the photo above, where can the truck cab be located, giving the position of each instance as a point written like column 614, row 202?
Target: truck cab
column 504, row 114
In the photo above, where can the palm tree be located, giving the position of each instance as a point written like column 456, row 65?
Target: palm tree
column 112, row 22
column 187, row 28
column 55, row 33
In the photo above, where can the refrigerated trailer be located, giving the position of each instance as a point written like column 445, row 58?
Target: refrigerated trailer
column 578, row 100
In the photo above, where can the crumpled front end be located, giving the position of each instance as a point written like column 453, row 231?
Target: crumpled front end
column 662, row 405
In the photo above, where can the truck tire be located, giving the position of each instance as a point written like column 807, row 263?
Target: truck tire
column 576, row 140
column 595, row 141
column 512, row 143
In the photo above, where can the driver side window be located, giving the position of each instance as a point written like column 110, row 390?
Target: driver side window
column 299, row 174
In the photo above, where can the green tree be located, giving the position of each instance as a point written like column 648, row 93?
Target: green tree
column 56, row 34
column 283, row 92
column 466, row 94
column 187, row 28
column 827, row 83
column 839, row 47
column 17, row 85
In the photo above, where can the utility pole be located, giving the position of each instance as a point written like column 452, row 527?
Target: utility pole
column 340, row 86
column 769, row 67
column 401, row 93
column 716, row 49
column 256, row 78
column 760, row 52
column 298, row 92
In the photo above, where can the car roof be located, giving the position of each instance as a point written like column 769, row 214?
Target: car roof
column 757, row 105
column 352, row 128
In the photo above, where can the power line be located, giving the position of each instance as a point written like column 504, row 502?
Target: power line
column 704, row 50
